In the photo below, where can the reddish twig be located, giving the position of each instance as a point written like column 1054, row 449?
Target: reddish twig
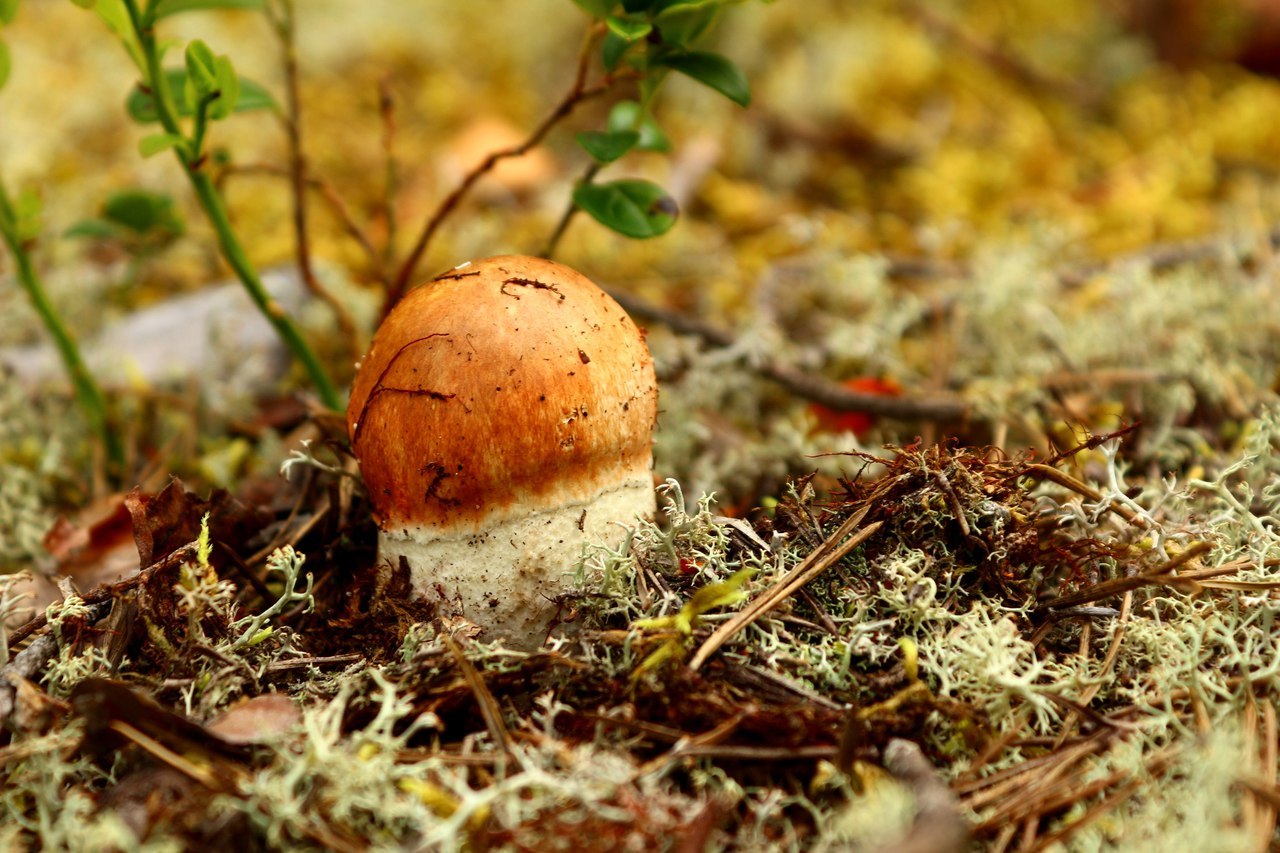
column 577, row 93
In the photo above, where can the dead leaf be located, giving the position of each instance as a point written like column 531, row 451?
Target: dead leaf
column 256, row 720
column 164, row 522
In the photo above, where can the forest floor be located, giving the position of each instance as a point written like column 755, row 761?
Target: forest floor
column 1028, row 601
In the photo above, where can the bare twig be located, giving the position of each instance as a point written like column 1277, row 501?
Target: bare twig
column 577, row 93
column 336, row 205
column 489, row 708
column 104, row 592
column 801, row 383
column 569, row 212
column 1160, row 574
column 284, row 23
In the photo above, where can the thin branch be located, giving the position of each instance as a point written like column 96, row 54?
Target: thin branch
column 104, row 592
column 799, row 382
column 284, row 22
column 577, row 94
column 1160, row 574
column 570, row 210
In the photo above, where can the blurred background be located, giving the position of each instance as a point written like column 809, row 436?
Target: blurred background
column 920, row 194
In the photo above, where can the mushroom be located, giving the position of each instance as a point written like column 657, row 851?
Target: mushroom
column 502, row 418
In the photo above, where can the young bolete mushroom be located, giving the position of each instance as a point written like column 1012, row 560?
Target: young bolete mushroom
column 503, row 417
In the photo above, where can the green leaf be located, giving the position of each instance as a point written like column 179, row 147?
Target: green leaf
column 633, row 208
column 682, row 24
column 711, row 69
column 605, row 147
column 628, row 30
column 625, row 115
column 97, row 229
column 151, row 145
column 165, row 8
column 142, row 212
column 202, row 71
column 612, row 49
column 595, row 8
column 85, row 4
column 6, row 64
column 141, row 106
column 228, row 90
column 8, row 11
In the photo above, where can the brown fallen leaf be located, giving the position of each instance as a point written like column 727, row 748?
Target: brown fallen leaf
column 256, row 720
column 168, row 520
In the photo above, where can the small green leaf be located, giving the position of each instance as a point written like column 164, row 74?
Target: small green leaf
column 202, row 71
column 8, row 11
column 165, row 8
column 142, row 108
column 682, row 24
column 97, row 229
column 595, row 8
column 114, row 14
column 711, row 69
column 228, row 90
column 6, row 64
column 151, row 145
column 142, row 212
column 633, row 208
column 612, row 50
column 625, row 115
column 607, row 147
column 627, row 29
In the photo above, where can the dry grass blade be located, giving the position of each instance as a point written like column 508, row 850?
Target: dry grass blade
column 1108, row 662
column 1062, row 478
column 163, row 754
column 830, row 552
column 489, row 708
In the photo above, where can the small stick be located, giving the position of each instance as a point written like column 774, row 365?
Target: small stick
column 799, row 382
column 1158, row 575
column 577, row 93
column 337, row 207
column 285, row 24
column 489, row 708
column 828, row 553
column 104, row 592
column 565, row 218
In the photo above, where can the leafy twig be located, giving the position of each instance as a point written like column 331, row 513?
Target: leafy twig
column 215, row 208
